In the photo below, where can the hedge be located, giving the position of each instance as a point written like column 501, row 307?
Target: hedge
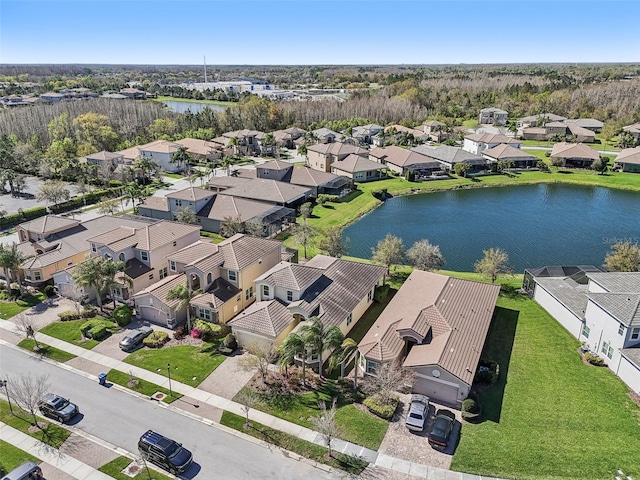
column 382, row 410
column 470, row 409
column 210, row 331
column 122, row 315
column 156, row 340
column 96, row 328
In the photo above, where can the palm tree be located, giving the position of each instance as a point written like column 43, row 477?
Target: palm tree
column 88, row 274
column 234, row 142
column 227, row 162
column 10, row 260
column 320, row 338
column 348, row 349
column 289, row 348
column 181, row 156
column 109, row 269
column 184, row 295
column 131, row 192
column 148, row 167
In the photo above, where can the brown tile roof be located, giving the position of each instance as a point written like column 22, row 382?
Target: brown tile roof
column 194, row 252
column 337, row 148
column 244, row 133
column 269, row 191
column 505, row 152
column 629, row 155
column 492, row 138
column 240, row 251
column 401, row 157
column 574, row 150
column 159, row 146
column 268, row 318
column 292, row 276
column 191, row 194
column 130, row 153
column 227, row 182
column 147, row 237
column 355, row 163
column 161, row 288
column 309, row 177
column 223, row 206
column 458, row 312
column 48, row 223
column 155, row 203
column 196, row 146
column 635, row 128
column 218, row 294
column 104, row 155
column 276, row 165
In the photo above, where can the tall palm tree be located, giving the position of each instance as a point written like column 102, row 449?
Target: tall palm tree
column 320, row 338
column 109, row 269
column 227, row 162
column 10, row 260
column 181, row 157
column 234, row 142
column 184, row 295
column 148, row 167
column 88, row 274
column 348, row 349
column 289, row 348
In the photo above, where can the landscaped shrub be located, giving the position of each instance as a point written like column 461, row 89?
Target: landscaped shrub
column 180, row 332
column 122, row 315
column 487, row 372
column 68, row 315
column 382, row 410
column 230, row 341
column 210, row 331
column 96, row 328
column 89, row 312
column 9, row 295
column 470, row 409
column 156, row 340
column 594, row 359
column 49, row 290
column 196, row 333
column 410, row 176
column 381, row 293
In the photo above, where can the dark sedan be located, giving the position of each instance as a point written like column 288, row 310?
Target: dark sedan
column 441, row 429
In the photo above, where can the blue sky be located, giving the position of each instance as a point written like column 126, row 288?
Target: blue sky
column 313, row 32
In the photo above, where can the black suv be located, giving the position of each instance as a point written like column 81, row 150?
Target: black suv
column 55, row 406
column 164, row 452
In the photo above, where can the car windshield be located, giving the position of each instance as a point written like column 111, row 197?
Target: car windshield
column 416, row 415
column 173, row 449
column 59, row 403
column 439, row 427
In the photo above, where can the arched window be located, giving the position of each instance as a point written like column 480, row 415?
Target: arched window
column 107, row 256
column 121, row 257
column 208, row 278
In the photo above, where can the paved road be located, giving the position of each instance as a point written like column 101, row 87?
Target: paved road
column 120, row 419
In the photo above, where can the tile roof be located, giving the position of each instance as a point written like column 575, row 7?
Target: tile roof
column 574, row 150
column 240, row 250
column 104, row 155
column 549, row 116
column 276, row 165
column 492, row 109
column 48, row 223
column 227, row 182
column 325, row 132
column 269, row 191
column 458, row 312
column 135, row 268
column 147, row 237
column 155, row 203
column 629, row 155
column 161, row 289
column 402, row 157
column 269, row 318
column 224, row 206
column 450, row 155
column 159, row 146
column 217, row 295
column 196, row 146
column 130, row 153
column 355, row 163
column 337, row 148
column 194, row 252
column 635, row 128
column 586, row 122
column 309, row 177
column 244, row 133
column 292, row 276
column 492, row 138
column 504, row 151
column 191, row 193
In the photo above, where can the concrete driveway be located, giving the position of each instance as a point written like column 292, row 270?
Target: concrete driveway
column 400, row 442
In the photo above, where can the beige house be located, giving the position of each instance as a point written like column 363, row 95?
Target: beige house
column 628, row 160
column 436, row 326
column 574, row 155
column 400, row 160
column 435, row 130
column 335, row 290
column 493, row 116
column 634, row 130
column 359, row 169
column 506, row 153
column 321, row 156
column 200, row 150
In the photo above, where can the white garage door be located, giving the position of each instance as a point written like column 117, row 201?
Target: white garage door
column 438, row 392
column 153, row 315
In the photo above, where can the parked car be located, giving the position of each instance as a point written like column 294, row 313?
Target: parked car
column 55, row 406
column 417, row 416
column 441, row 429
column 133, row 339
column 26, row 471
column 164, row 452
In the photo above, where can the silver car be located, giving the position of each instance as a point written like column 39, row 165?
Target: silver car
column 133, row 339
column 417, row 416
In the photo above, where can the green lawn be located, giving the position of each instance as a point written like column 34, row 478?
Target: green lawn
column 9, row 309
column 53, row 435
column 143, row 387
column 294, row 444
column 359, row 427
column 114, row 470
column 13, row 457
column 69, row 332
column 549, row 416
column 189, row 364
column 161, row 98
column 172, row 175
column 47, row 350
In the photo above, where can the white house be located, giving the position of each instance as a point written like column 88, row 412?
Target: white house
column 161, row 152
column 478, row 142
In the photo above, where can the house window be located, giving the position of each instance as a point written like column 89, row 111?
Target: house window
column 121, row 257
column 37, row 276
column 163, row 273
column 607, row 350
column 205, row 314
column 265, row 290
column 370, row 295
column 208, row 277
column 172, row 265
column 233, row 275
column 107, row 256
column 93, row 247
column 151, row 276
column 635, row 333
column 349, row 319
column 178, row 203
column 27, row 274
column 372, row 367
column 621, row 329
column 289, row 296
column 585, row 331
column 144, row 256
column 175, row 243
column 249, row 293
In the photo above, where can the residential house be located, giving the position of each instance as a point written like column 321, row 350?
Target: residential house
column 220, row 184
column 322, row 155
column 634, row 130
column 201, row 150
column 436, row 326
column 538, row 120
column 359, row 169
column 133, row 93
column 402, row 134
column 628, row 160
column 319, row 182
column 365, row 133
column 401, row 160
column 506, row 153
column 168, row 206
column 56, row 243
column 335, row 290
column 577, row 273
column 602, row 310
column 580, row 134
column 52, row 97
column 289, row 138
column 478, row 142
column 248, row 141
column 161, row 152
column 271, row 191
column 143, row 249
column 534, row 133
column 574, row 155
column 588, row 123
column 493, row 116
column 104, row 160
column 450, row 156
column 325, row 135
column 435, row 130
column 224, row 272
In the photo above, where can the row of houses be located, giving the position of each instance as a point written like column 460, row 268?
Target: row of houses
column 12, row 101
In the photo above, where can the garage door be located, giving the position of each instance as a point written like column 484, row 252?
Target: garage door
column 153, row 315
column 438, row 392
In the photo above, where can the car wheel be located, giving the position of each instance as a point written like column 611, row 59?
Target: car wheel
column 173, row 471
column 61, row 420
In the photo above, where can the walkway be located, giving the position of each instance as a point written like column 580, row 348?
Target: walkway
column 374, row 458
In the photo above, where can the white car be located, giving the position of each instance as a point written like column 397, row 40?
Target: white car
column 418, row 410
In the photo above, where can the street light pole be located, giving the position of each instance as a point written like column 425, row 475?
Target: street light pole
column 3, row 383
column 169, row 372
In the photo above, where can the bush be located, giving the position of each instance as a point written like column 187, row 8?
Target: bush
column 382, row 410
column 9, row 295
column 594, row 359
column 122, row 315
column 210, row 331
column 68, row 315
column 49, row 291
column 230, row 342
column 115, row 183
column 410, row 176
column 470, row 409
column 487, row 372
column 98, row 332
column 88, row 312
column 180, row 332
column 156, row 340
column 196, row 333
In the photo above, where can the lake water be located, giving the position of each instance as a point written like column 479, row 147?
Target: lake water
column 547, row 224
column 195, row 107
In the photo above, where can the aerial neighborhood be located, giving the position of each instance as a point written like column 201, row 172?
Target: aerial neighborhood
column 207, row 262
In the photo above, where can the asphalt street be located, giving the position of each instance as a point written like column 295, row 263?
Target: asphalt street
column 120, row 419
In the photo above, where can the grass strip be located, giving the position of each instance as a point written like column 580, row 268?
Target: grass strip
column 53, row 435
column 143, row 387
column 13, row 457
column 46, row 350
column 114, row 470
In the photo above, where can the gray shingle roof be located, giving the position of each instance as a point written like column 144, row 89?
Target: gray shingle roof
column 450, row 155
column 617, row 282
column 268, row 191
column 625, row 307
column 292, row 276
column 633, row 355
column 268, row 318
column 568, row 292
column 240, row 251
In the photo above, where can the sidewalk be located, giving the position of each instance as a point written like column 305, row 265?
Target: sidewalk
column 370, row 456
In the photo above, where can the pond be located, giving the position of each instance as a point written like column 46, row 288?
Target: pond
column 537, row 225
column 195, row 107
